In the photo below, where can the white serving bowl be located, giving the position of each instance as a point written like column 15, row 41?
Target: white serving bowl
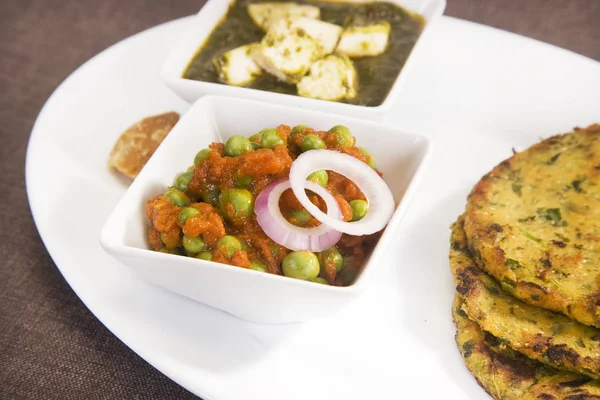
column 209, row 17
column 248, row 294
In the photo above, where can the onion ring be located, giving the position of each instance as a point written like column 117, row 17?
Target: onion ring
column 378, row 194
column 275, row 226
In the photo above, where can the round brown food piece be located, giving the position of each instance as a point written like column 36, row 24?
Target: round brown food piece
column 533, row 223
column 136, row 145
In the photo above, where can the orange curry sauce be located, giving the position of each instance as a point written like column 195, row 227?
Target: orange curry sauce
column 217, row 173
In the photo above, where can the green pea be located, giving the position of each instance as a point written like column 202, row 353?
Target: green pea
column 255, row 141
column 297, row 131
column 241, row 200
column 171, row 240
column 210, row 194
column 201, row 155
column 258, row 265
column 187, row 213
column 182, row 181
column 205, row 255
column 177, row 197
column 162, row 238
column 211, row 197
column 348, row 262
column 275, row 250
column 312, row 142
column 320, row 280
column 301, row 265
column 371, row 161
column 193, row 244
column 299, row 128
column 269, row 138
column 331, row 256
column 229, row 245
column 190, row 168
column 359, row 209
column 348, row 275
column 237, row 145
column 343, row 136
column 242, row 181
column 301, row 217
column 319, row 177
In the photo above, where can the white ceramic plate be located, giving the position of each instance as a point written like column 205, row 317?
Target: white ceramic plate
column 477, row 91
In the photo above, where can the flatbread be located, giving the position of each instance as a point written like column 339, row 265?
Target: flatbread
column 508, row 375
column 550, row 338
column 533, row 223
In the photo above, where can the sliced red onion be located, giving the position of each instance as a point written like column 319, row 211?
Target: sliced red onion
column 378, row 194
column 294, row 237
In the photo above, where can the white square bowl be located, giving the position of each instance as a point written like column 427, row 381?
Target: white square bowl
column 212, row 13
column 248, row 294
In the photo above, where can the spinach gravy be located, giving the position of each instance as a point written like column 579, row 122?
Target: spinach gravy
column 376, row 74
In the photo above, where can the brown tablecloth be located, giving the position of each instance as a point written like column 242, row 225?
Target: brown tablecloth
column 51, row 346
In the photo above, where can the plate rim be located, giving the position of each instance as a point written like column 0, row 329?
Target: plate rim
column 36, row 132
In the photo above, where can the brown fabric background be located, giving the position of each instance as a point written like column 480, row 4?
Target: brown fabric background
column 51, row 346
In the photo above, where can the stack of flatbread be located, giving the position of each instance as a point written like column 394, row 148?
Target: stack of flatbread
column 525, row 257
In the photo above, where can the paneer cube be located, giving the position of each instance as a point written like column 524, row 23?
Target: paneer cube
column 287, row 51
column 237, row 67
column 325, row 33
column 332, row 78
column 265, row 14
column 363, row 41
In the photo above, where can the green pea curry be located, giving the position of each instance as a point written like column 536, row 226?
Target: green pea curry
column 208, row 212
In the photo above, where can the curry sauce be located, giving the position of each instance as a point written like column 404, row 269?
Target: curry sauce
column 200, row 209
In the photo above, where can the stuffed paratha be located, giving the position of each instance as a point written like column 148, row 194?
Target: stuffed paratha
column 533, row 223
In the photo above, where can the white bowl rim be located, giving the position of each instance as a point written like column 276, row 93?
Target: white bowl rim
column 169, row 75
column 117, row 248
